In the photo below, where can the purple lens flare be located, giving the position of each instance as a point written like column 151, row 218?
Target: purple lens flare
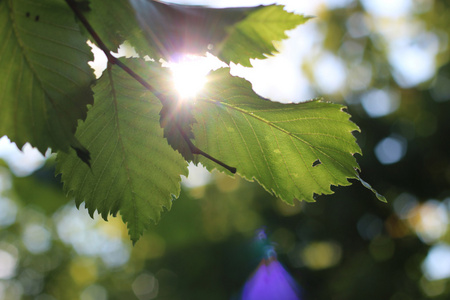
column 271, row 282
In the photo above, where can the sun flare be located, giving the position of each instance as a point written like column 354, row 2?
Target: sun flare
column 190, row 72
column 188, row 78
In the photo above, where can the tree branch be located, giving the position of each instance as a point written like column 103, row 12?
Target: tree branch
column 196, row 150
column 113, row 60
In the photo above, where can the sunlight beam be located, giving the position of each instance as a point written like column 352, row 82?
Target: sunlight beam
column 190, row 71
column 188, row 78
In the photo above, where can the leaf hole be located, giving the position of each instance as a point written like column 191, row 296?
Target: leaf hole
column 27, row 14
column 36, row 18
column 316, row 163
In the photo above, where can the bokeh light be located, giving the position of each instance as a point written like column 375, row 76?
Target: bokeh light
column 8, row 211
column 84, row 234
column 387, row 8
column 94, row 292
column 379, row 103
column 321, row 255
column 429, row 220
column 436, row 265
column 330, row 73
column 37, row 238
column 145, row 286
column 8, row 264
column 390, row 150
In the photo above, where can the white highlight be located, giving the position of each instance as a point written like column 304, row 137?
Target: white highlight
column 198, row 176
column 21, row 162
column 379, row 103
column 436, row 265
column 390, row 150
column 189, row 73
column 8, row 264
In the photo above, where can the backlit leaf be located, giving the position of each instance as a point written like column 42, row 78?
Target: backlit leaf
column 233, row 34
column 134, row 170
column 253, row 37
column 45, row 79
column 115, row 24
column 175, row 29
column 294, row 150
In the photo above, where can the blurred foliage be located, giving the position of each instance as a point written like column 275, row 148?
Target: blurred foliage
column 344, row 246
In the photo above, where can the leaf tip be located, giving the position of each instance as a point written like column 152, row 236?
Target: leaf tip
column 368, row 186
column 134, row 240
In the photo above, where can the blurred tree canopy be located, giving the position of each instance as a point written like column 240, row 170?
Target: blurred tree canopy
column 393, row 72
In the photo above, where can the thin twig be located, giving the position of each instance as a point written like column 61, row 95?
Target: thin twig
column 113, row 60
column 198, row 151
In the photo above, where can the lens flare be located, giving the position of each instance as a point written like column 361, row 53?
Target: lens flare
column 189, row 73
column 270, row 280
column 188, row 79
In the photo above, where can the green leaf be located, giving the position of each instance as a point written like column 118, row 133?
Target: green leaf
column 160, row 30
column 175, row 29
column 134, row 169
column 45, row 79
column 368, row 186
column 115, row 24
column 110, row 21
column 293, row 150
column 176, row 115
column 253, row 37
column 163, row 30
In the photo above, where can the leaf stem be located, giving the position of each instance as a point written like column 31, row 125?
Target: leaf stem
column 198, row 151
column 114, row 61
column 111, row 59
